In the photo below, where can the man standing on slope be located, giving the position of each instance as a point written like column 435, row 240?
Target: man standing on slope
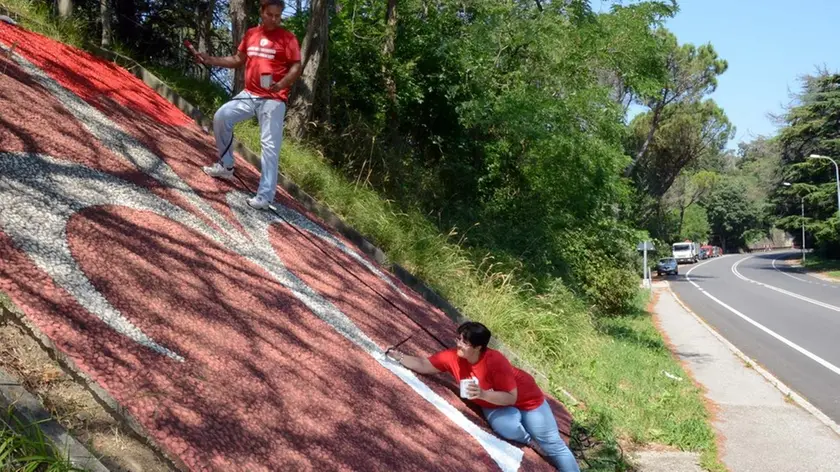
column 271, row 56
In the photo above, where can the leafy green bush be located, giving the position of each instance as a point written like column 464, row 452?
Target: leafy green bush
column 612, row 289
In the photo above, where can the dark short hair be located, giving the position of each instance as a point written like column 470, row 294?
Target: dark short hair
column 275, row 3
column 475, row 333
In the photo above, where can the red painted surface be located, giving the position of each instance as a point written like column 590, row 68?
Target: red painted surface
column 266, row 384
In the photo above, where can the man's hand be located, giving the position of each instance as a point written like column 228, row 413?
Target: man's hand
column 288, row 79
column 231, row 62
column 201, row 58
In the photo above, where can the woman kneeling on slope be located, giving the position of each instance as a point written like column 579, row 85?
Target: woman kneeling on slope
column 511, row 401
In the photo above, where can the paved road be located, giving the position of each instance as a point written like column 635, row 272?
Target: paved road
column 787, row 321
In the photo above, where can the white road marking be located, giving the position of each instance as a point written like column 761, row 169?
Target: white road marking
column 783, row 272
column 819, row 360
column 781, row 290
column 818, row 281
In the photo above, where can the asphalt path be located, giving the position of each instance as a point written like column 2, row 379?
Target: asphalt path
column 785, row 320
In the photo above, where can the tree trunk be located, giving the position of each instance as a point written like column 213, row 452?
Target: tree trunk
column 654, row 123
column 387, row 69
column 324, row 97
column 682, row 217
column 126, row 17
column 64, row 8
column 203, row 28
column 107, row 31
column 388, row 49
column 312, row 51
column 238, row 26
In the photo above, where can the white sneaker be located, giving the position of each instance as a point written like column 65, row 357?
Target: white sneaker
column 219, row 171
column 258, row 202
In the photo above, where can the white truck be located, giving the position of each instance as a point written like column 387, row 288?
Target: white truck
column 686, row 252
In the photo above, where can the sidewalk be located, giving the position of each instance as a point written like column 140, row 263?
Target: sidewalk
column 758, row 429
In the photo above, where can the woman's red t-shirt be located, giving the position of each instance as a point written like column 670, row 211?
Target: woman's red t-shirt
column 493, row 371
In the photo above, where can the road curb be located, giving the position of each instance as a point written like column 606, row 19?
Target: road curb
column 784, row 389
column 29, row 411
column 13, row 314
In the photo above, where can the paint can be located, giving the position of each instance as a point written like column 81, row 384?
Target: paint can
column 465, row 383
column 265, row 81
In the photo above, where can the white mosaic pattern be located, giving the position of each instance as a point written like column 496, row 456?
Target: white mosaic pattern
column 39, row 195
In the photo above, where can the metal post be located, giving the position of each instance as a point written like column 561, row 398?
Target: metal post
column 836, row 175
column 803, row 229
column 645, row 271
column 837, row 180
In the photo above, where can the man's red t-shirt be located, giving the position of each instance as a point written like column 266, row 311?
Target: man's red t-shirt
column 493, row 371
column 269, row 52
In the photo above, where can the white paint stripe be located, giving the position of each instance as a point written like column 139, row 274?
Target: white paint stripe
column 507, row 457
column 258, row 54
column 257, row 224
column 819, row 360
column 799, row 399
column 781, row 290
column 121, row 143
column 785, row 273
column 306, row 224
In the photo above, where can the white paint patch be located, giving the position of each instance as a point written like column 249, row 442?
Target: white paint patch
column 122, row 144
column 39, row 196
column 257, row 224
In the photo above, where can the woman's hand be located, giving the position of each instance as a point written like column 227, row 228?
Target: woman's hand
column 474, row 392
column 396, row 355
column 420, row 365
column 496, row 398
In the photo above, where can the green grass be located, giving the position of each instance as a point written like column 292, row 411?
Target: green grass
column 614, row 366
column 35, row 16
column 23, row 448
column 830, row 267
column 207, row 96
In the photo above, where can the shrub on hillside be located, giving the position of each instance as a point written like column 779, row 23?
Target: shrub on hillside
column 602, row 264
column 612, row 289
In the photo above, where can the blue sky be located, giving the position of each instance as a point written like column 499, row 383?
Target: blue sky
column 768, row 44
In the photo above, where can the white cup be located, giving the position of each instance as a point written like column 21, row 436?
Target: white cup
column 464, row 384
column 265, row 81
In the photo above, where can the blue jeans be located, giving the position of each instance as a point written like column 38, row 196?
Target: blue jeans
column 271, row 115
column 521, row 426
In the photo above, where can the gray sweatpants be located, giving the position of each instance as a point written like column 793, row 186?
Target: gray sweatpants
column 271, row 115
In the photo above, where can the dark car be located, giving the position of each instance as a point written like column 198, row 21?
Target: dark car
column 667, row 265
